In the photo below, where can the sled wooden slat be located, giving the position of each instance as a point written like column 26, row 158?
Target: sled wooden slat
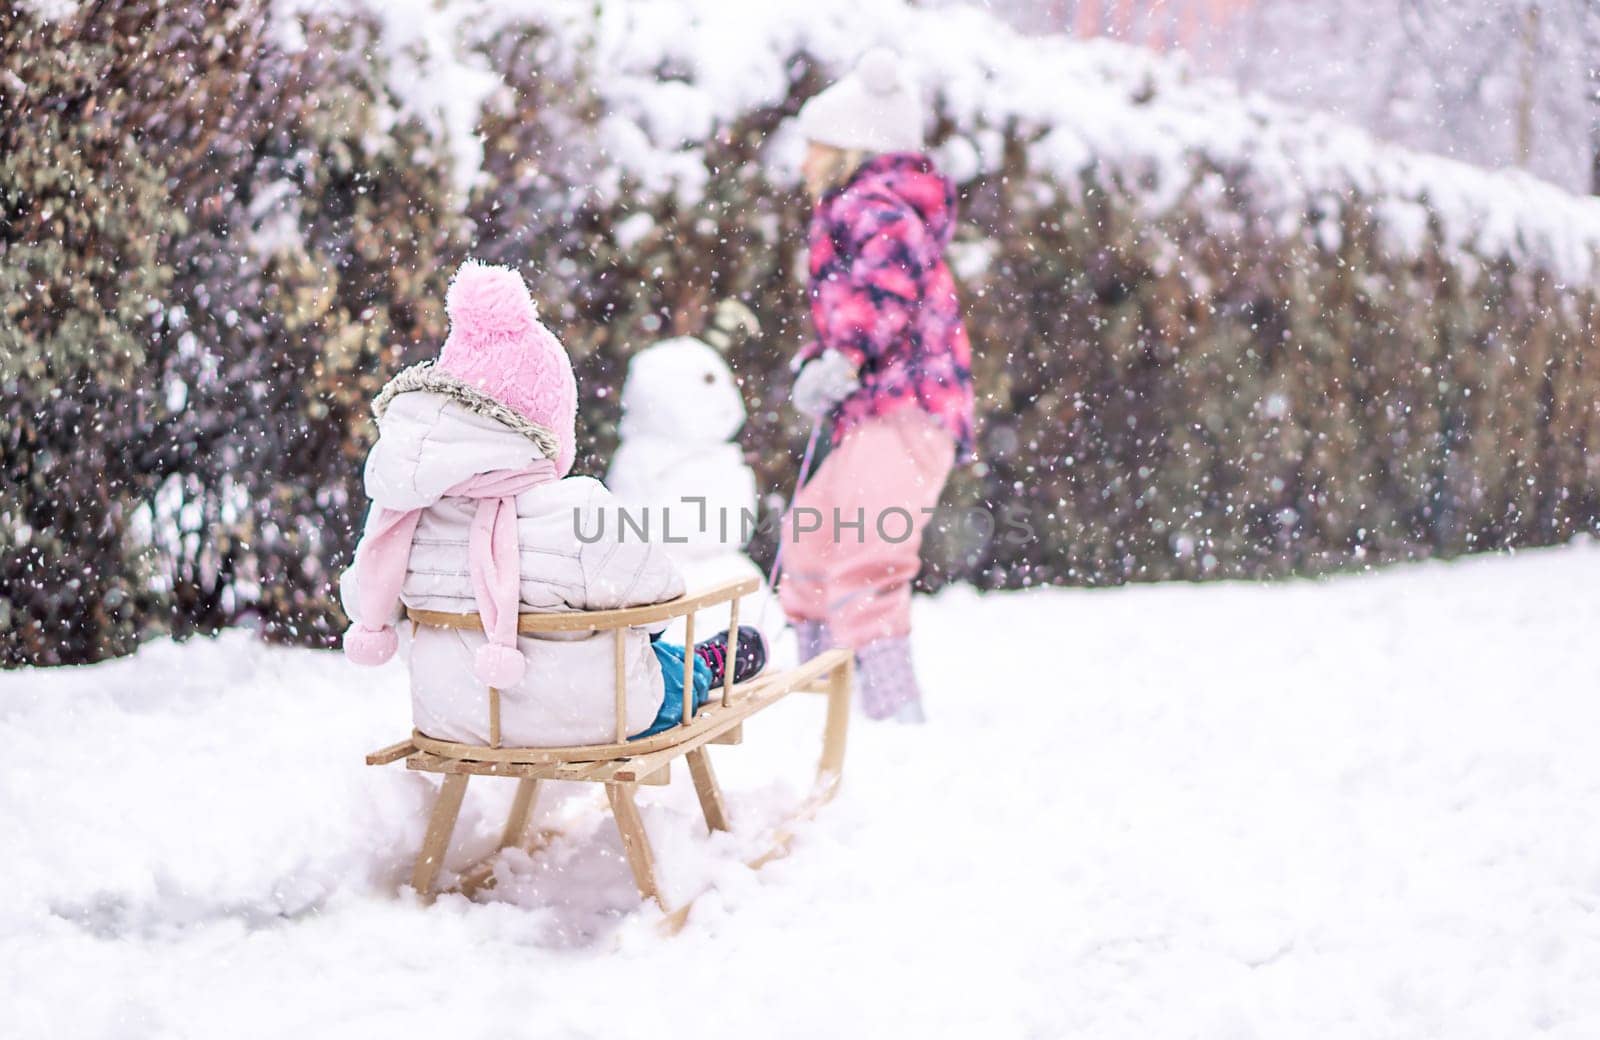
column 635, row 843
column 598, row 620
column 393, row 753
column 620, row 678
column 654, row 773
column 440, row 825
column 623, row 765
column 521, row 809
column 706, row 789
column 733, row 651
column 836, row 728
column 688, row 670
column 648, row 763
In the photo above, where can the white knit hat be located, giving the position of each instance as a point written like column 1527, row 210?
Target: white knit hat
column 872, row 109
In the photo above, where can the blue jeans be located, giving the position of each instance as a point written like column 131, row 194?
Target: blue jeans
column 671, row 713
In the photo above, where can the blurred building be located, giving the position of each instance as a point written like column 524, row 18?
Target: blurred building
column 1161, row 24
column 1493, row 82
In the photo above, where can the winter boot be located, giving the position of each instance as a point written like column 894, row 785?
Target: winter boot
column 748, row 662
column 812, row 638
column 886, row 681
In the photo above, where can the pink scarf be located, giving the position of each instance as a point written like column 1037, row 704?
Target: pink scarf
column 493, row 558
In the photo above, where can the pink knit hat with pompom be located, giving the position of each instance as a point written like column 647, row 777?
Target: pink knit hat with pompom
column 499, row 360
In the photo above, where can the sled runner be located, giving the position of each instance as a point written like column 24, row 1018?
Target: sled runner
column 622, row 766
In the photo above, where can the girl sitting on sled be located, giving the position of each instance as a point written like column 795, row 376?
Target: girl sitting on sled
column 473, row 510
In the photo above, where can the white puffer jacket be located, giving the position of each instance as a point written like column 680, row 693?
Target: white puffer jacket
column 427, row 443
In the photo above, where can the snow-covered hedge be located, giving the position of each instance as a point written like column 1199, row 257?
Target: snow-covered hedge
column 1215, row 336
column 208, row 241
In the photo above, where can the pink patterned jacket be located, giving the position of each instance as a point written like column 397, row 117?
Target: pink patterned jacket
column 882, row 295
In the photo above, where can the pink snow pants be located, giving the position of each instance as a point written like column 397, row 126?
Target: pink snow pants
column 853, row 535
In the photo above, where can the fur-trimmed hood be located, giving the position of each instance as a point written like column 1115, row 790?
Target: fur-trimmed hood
column 427, row 377
column 430, row 441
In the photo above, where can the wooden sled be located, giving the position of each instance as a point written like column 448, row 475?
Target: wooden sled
column 622, row 765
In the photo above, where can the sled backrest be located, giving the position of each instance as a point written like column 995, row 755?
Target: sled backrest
column 619, row 622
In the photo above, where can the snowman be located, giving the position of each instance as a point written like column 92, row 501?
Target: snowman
column 678, row 465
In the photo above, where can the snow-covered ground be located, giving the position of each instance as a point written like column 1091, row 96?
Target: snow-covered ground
column 1367, row 807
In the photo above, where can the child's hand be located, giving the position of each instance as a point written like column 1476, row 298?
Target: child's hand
column 823, row 383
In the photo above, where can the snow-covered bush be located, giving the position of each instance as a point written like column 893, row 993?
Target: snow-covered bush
column 1214, row 336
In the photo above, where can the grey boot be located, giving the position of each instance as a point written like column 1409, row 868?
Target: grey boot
column 886, row 682
column 811, row 638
